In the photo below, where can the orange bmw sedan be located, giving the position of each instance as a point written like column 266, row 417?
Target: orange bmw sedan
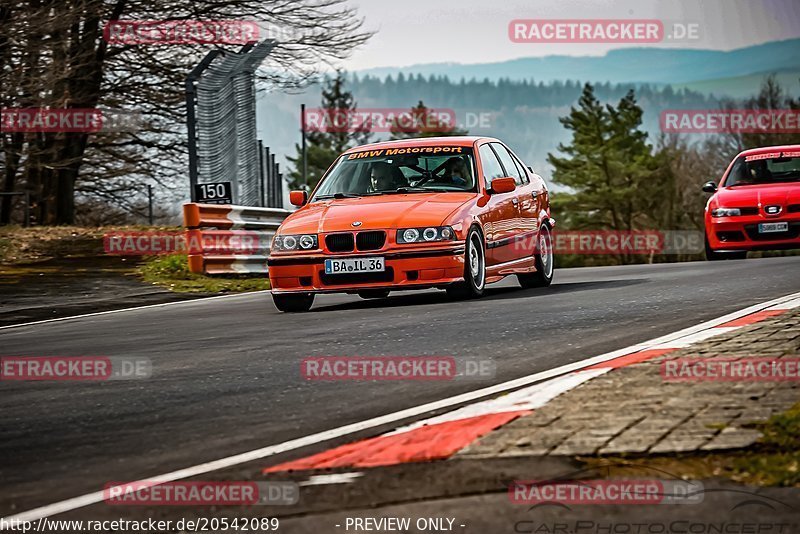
column 453, row 213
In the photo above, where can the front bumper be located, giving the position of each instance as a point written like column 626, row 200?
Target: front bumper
column 741, row 233
column 404, row 269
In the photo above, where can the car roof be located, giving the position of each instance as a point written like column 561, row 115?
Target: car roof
column 768, row 149
column 456, row 140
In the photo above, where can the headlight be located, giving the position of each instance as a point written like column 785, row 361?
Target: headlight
column 726, row 212
column 307, row 242
column 425, row 235
column 282, row 243
column 408, row 236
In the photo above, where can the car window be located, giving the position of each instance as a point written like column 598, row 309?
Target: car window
column 521, row 166
column 386, row 171
column 491, row 165
column 764, row 169
column 508, row 162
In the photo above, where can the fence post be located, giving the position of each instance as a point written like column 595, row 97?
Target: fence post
column 191, row 118
column 150, row 204
column 303, row 136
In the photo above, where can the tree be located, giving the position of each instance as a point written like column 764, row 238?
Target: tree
column 337, row 134
column 424, row 122
column 771, row 98
column 53, row 54
column 609, row 167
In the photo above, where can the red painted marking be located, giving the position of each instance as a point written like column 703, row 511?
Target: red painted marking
column 752, row 318
column 629, row 359
column 432, row 442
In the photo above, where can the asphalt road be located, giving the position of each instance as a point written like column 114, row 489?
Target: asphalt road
column 226, row 372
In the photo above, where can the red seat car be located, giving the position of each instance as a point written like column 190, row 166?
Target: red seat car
column 757, row 204
column 453, row 213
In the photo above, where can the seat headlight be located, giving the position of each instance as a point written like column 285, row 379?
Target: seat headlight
column 726, row 212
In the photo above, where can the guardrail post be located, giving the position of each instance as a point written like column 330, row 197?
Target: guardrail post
column 226, row 239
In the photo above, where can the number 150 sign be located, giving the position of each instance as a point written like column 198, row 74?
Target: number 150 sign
column 218, row 193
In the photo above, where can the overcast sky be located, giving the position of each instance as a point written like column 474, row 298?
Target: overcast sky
column 476, row 31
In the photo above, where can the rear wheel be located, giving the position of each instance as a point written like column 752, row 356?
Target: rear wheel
column 474, row 268
column 713, row 255
column 545, row 263
column 373, row 293
column 294, row 302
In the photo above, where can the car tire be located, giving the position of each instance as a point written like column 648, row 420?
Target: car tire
column 374, row 293
column 294, row 302
column 545, row 262
column 474, row 284
column 713, row 255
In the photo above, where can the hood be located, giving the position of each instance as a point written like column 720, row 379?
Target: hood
column 379, row 212
column 759, row 195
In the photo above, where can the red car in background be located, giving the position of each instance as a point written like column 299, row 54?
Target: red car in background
column 757, row 204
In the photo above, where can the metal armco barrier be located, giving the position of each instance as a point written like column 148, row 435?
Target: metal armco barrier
column 226, row 239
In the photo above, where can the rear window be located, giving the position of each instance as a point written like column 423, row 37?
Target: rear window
column 777, row 167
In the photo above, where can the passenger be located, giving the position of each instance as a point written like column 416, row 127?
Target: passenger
column 455, row 172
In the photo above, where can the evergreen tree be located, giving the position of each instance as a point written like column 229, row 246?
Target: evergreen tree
column 423, row 122
column 337, row 135
column 609, row 167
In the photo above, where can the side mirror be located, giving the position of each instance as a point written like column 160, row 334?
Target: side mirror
column 710, row 187
column 298, row 198
column 503, row 185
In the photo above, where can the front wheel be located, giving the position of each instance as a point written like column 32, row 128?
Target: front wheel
column 545, row 264
column 293, row 302
column 474, row 268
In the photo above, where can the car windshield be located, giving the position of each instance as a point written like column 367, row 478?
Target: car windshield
column 771, row 168
column 400, row 170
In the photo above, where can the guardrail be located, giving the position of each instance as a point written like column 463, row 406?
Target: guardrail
column 225, row 239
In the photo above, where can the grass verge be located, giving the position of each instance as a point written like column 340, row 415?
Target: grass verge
column 773, row 461
column 172, row 272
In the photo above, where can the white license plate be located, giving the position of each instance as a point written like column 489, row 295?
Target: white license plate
column 355, row 265
column 766, row 228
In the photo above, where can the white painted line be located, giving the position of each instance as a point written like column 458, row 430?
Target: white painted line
column 109, row 312
column 529, row 398
column 320, row 437
column 696, row 337
column 788, row 305
column 335, row 478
